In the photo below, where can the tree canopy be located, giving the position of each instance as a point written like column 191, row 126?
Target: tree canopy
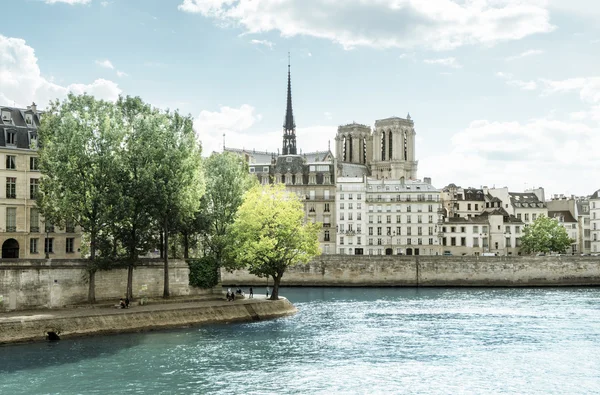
column 545, row 235
column 270, row 234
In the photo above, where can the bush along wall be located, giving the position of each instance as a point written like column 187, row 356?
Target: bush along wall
column 204, row 272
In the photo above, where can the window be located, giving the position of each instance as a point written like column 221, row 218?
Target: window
column 265, row 169
column 453, row 241
column 326, row 237
column 379, row 219
column 70, row 242
column 444, row 241
column 388, row 219
column 519, row 216
column 379, row 231
column 389, row 231
column 349, row 216
column 33, row 246
column 469, row 206
column 507, row 230
column 11, row 219
column 358, row 206
column 453, row 229
column 475, row 242
column 409, row 208
column 508, row 242
column 463, row 229
column 419, row 219
column 430, row 208
column 409, row 231
column 476, row 229
column 397, row 219
column 11, row 162
column 49, row 245
column 370, row 242
column 341, row 196
column 398, row 230
column 526, row 216
column 326, row 207
column 341, row 206
column 11, row 188
column 252, row 170
column 370, row 231
column 378, row 242
column 408, row 241
column 11, row 138
column 350, row 196
column 370, row 219
column 358, row 216
column 34, row 184
column 430, row 219
column 34, row 220
column 431, row 231
column 349, row 206
column 341, row 216
column 288, row 159
column 430, row 241
column 408, row 219
column 33, row 163
column 419, row 241
column 341, row 240
column 484, row 229
column 463, row 241
column 69, row 227
column 358, row 228
column 420, row 231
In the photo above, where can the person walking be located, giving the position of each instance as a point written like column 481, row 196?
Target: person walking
column 267, row 292
column 251, row 292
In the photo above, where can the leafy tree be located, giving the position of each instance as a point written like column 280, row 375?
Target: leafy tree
column 227, row 179
column 135, row 226
column 269, row 234
column 77, row 158
column 176, row 167
column 545, row 235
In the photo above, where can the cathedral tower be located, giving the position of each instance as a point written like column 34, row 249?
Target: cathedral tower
column 394, row 149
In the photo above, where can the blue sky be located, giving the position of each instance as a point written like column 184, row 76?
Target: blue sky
column 502, row 92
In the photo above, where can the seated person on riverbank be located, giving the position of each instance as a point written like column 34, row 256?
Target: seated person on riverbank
column 121, row 303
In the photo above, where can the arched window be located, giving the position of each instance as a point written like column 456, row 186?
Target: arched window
column 405, row 145
column 350, row 156
column 344, row 149
column 382, row 145
column 364, row 150
column 390, row 144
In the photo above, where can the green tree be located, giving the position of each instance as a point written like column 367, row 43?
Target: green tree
column 176, row 168
column 545, row 235
column 77, row 158
column 270, row 234
column 135, row 226
column 227, row 179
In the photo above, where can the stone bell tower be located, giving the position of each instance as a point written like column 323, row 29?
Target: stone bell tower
column 394, row 149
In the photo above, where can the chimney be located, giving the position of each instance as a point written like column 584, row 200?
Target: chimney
column 427, row 180
column 33, row 107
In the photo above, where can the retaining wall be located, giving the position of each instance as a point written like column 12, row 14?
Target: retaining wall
column 28, row 284
column 434, row 271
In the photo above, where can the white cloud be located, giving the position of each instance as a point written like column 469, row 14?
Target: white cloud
column 71, row 2
column 104, row 3
column 531, row 52
column 524, row 85
column 554, row 154
column 437, row 24
column 122, row 73
column 105, row 63
column 266, row 43
column 589, row 88
column 21, row 80
column 448, row 62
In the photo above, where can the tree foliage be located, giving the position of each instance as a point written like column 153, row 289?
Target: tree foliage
column 227, row 179
column 269, row 233
column 545, row 235
column 78, row 159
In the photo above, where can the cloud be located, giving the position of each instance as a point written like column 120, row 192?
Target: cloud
column 435, row 24
column 21, row 80
column 448, row 62
column 70, row 2
column 122, row 73
column 524, row 85
column 588, row 88
column 531, row 52
column 558, row 155
column 105, row 63
column 266, row 43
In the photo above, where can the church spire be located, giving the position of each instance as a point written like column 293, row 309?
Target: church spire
column 289, row 126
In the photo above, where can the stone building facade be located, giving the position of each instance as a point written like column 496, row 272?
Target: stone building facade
column 23, row 232
column 595, row 222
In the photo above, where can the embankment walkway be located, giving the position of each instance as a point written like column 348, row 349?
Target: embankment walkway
column 35, row 325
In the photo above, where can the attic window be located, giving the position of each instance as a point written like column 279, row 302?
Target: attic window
column 28, row 119
column 6, row 116
column 11, row 138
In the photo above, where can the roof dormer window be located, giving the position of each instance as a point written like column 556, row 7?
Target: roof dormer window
column 6, row 117
column 11, row 137
column 29, row 119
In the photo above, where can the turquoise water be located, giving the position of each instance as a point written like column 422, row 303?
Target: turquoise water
column 363, row 341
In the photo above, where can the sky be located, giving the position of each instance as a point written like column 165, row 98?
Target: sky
column 502, row 92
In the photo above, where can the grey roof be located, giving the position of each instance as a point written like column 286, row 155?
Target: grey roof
column 473, row 194
column 583, row 207
column 17, row 124
column 260, row 157
column 596, row 195
column 525, row 199
column 352, row 170
column 565, row 214
column 493, row 198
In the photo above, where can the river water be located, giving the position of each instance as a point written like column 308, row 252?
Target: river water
column 343, row 341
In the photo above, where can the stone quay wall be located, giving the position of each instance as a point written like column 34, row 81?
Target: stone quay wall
column 433, row 271
column 102, row 321
column 32, row 284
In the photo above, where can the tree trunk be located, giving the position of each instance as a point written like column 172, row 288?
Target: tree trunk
column 92, row 270
column 129, row 294
column 186, row 245
column 166, row 292
column 162, row 245
column 276, row 281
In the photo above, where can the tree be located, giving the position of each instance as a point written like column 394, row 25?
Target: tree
column 545, row 235
column 227, row 179
column 77, row 158
column 176, row 168
column 269, row 234
column 135, row 226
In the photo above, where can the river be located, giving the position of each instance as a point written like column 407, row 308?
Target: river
column 343, row 341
